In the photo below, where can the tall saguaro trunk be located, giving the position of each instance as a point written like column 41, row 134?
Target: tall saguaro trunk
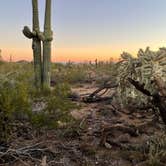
column 47, row 45
column 36, row 44
column 41, row 63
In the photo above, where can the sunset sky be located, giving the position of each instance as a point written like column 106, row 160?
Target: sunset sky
column 86, row 29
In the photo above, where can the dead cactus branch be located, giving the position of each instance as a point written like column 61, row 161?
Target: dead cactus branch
column 97, row 95
column 157, row 100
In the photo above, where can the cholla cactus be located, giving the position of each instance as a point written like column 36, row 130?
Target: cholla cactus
column 41, row 63
column 152, row 64
column 143, row 68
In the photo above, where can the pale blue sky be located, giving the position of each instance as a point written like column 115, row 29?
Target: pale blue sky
column 125, row 24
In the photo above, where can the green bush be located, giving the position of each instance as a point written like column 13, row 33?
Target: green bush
column 14, row 104
column 17, row 94
column 72, row 74
column 57, row 110
column 77, row 75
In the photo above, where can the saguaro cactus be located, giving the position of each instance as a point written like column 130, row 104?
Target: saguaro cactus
column 47, row 45
column 41, row 63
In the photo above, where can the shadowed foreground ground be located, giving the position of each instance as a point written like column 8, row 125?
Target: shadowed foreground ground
column 102, row 136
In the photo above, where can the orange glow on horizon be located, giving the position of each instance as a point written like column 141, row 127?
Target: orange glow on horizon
column 64, row 54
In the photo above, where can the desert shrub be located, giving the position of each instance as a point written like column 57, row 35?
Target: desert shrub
column 76, row 75
column 17, row 94
column 106, row 72
column 14, row 104
column 57, row 110
column 72, row 74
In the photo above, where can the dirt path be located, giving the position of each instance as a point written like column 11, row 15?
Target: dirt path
column 121, row 136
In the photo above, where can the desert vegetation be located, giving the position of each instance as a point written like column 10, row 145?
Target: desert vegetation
column 112, row 113
column 82, row 114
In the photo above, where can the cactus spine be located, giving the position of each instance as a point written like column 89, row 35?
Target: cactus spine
column 41, row 63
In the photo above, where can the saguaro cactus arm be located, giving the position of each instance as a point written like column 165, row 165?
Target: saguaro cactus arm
column 47, row 24
column 35, row 15
column 27, row 32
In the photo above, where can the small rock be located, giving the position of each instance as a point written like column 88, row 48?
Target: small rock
column 79, row 114
column 107, row 145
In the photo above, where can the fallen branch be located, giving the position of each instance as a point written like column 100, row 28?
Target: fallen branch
column 34, row 153
column 96, row 96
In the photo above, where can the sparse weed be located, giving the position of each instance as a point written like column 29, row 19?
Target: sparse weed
column 57, row 110
column 14, row 104
column 157, row 151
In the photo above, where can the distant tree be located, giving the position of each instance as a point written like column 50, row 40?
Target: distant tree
column 0, row 55
column 10, row 59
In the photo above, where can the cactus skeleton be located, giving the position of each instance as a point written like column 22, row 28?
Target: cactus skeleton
column 41, row 61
